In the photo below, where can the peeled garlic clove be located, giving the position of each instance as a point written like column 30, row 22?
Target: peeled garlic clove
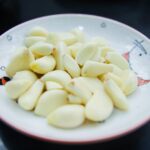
column 78, row 88
column 29, row 41
column 68, row 116
column 74, row 49
column 29, row 99
column 73, row 99
column 79, row 34
column 117, row 59
column 86, row 53
column 53, row 38
column 97, row 56
column 71, row 66
column 20, row 61
column 51, row 85
column 92, row 84
column 58, row 76
column 99, row 107
column 49, row 101
column 130, row 82
column 26, row 74
column 116, row 70
column 38, row 31
column 16, row 88
column 105, row 50
column 102, row 60
column 115, row 78
column 68, row 38
column 41, row 49
column 94, row 69
column 43, row 65
column 99, row 41
column 60, row 50
column 65, row 37
column 116, row 94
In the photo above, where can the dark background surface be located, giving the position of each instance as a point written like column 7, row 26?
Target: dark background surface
column 135, row 13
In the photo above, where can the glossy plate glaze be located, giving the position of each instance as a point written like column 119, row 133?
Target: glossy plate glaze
column 132, row 44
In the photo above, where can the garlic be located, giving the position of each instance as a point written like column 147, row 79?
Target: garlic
column 30, row 98
column 71, row 66
column 130, row 82
column 94, row 69
column 16, row 88
column 51, row 85
column 58, row 76
column 73, row 99
column 74, row 49
column 43, row 65
column 49, row 101
column 78, row 88
column 30, row 40
column 68, row 116
column 99, row 107
column 117, row 59
column 20, row 61
column 41, row 49
column 38, row 31
column 116, row 94
column 68, row 38
column 86, row 53
column 26, row 74
column 60, row 50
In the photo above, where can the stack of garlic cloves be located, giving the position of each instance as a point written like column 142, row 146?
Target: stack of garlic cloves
column 68, row 78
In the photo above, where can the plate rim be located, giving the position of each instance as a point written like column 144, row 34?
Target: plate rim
column 92, row 140
column 70, row 142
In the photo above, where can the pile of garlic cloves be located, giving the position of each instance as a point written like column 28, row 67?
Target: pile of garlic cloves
column 68, row 78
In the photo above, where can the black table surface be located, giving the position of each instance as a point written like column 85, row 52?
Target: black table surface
column 135, row 13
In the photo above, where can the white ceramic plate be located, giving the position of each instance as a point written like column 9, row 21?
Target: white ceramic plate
column 134, row 45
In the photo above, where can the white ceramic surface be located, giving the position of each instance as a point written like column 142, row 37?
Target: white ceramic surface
column 123, row 39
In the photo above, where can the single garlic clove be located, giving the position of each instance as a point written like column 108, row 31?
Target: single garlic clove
column 78, row 88
column 92, row 84
column 49, row 101
column 51, row 85
column 130, row 82
column 73, row 99
column 68, row 38
column 68, row 116
column 79, row 34
column 105, row 50
column 38, row 31
column 53, row 38
column 94, row 69
column 75, row 48
column 20, row 61
column 116, row 70
column 117, row 59
column 113, row 77
column 86, row 53
column 99, row 107
column 99, row 41
column 41, row 49
column 60, row 50
column 43, row 65
column 16, row 88
column 26, row 74
column 31, row 40
column 97, row 57
column 58, row 76
column 71, row 66
column 30, row 98
column 116, row 94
